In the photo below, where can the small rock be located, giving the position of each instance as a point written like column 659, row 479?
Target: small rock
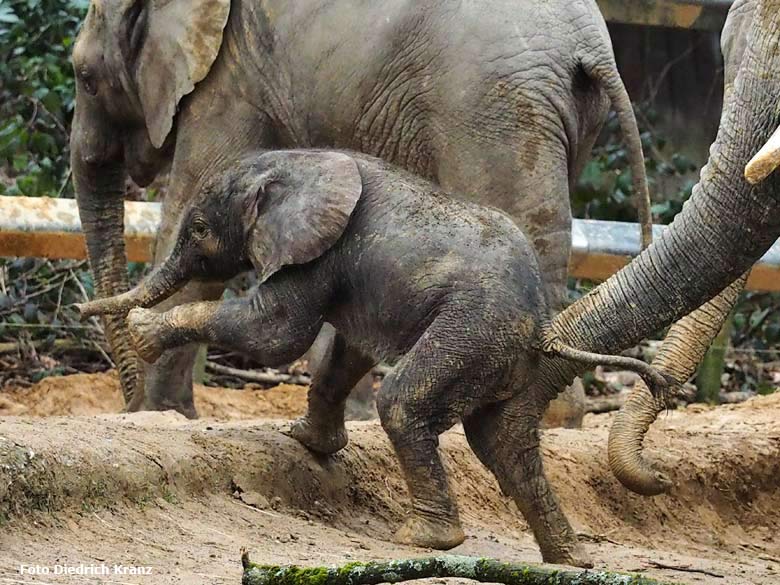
column 254, row 499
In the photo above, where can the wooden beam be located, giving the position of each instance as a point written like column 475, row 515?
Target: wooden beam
column 50, row 228
column 601, row 248
column 691, row 14
column 45, row 227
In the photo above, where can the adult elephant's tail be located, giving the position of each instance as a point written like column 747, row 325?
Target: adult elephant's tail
column 604, row 71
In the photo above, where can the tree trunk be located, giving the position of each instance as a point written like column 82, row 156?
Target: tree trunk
column 477, row 569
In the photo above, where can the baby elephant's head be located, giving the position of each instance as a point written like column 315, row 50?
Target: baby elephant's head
column 268, row 211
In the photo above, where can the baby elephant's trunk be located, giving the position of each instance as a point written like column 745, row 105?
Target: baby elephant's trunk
column 155, row 288
column 659, row 383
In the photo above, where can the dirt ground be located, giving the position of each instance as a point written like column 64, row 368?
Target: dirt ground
column 82, row 487
column 89, row 394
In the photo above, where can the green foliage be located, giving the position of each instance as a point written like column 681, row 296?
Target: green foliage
column 36, row 93
column 604, row 189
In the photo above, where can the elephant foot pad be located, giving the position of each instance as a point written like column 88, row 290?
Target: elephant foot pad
column 317, row 438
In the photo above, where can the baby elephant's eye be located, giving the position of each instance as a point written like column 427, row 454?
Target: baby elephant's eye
column 200, row 229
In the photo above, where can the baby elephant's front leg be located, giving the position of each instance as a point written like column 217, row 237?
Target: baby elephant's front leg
column 153, row 333
column 322, row 429
column 258, row 330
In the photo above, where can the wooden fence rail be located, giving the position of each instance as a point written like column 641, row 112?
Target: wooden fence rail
column 692, row 14
column 50, row 228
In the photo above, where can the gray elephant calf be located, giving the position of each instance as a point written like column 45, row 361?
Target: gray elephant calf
column 448, row 290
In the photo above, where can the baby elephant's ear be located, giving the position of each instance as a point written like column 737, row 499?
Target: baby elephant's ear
column 304, row 203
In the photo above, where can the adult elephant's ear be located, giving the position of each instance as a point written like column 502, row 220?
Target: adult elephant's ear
column 301, row 203
column 171, row 45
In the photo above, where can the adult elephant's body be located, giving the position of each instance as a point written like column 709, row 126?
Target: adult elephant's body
column 504, row 99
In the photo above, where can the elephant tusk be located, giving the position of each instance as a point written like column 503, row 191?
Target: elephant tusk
column 765, row 162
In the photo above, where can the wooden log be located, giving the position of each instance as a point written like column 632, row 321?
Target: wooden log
column 447, row 566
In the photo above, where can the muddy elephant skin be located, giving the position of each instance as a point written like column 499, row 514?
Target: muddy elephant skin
column 468, row 94
column 448, row 291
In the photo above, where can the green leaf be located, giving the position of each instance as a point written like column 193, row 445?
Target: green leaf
column 7, row 15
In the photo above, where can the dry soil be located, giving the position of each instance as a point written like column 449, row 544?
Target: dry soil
column 81, row 486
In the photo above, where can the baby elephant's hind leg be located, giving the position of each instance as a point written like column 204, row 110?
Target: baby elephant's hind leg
column 430, row 388
column 322, row 428
column 505, row 437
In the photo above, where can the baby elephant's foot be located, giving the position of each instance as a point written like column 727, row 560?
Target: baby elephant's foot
column 146, row 329
column 426, row 533
column 324, row 439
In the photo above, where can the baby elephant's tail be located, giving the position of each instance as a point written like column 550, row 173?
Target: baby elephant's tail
column 659, row 383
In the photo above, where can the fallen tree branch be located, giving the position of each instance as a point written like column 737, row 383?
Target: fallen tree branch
column 274, row 377
column 259, row 377
column 477, row 569
column 602, row 404
column 58, row 345
column 683, row 568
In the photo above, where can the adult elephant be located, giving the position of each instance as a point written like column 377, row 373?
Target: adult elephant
column 689, row 338
column 503, row 99
column 730, row 221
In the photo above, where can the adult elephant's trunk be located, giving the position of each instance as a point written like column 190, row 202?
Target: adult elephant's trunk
column 723, row 229
column 100, row 191
column 681, row 352
column 163, row 282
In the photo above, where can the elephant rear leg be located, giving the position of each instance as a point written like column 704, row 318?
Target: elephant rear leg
column 528, row 174
column 322, row 428
column 447, row 372
column 505, row 437
column 410, row 415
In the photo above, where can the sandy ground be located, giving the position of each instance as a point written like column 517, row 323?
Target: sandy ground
column 182, row 497
column 89, row 394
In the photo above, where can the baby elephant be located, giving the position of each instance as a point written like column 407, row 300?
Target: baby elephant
column 446, row 290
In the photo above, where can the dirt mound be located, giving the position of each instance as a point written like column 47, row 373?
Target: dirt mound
column 155, row 487
column 91, row 394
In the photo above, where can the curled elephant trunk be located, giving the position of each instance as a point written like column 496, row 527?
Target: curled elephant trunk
column 155, row 288
column 682, row 351
column 723, row 229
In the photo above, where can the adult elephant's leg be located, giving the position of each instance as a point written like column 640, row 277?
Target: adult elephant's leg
column 340, row 368
column 528, row 176
column 505, row 437
column 213, row 131
column 168, row 382
column 568, row 409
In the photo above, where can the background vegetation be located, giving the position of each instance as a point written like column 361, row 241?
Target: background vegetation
column 36, row 107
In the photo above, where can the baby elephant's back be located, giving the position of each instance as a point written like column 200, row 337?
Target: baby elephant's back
column 425, row 239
